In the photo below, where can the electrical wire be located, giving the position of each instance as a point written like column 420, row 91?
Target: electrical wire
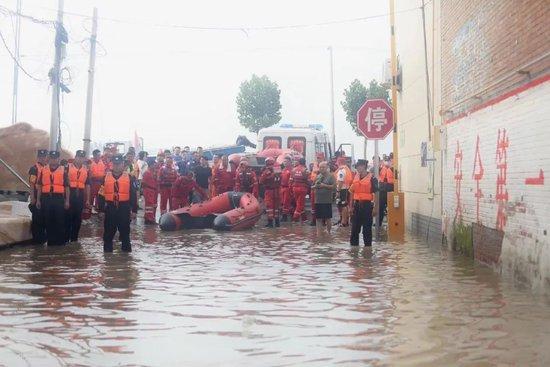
column 17, row 61
column 27, row 17
column 245, row 29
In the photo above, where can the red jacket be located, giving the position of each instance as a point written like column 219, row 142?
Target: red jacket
column 183, row 186
column 270, row 179
column 285, row 177
column 167, row 176
column 246, row 181
column 149, row 180
column 299, row 177
column 223, row 180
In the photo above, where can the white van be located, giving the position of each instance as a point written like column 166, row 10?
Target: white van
column 308, row 139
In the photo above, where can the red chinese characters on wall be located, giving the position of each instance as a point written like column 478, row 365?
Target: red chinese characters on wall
column 458, row 181
column 502, row 172
column 478, row 176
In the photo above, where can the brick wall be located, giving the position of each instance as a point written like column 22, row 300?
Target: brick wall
column 494, row 169
column 482, row 41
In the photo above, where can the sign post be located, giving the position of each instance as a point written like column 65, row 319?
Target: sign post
column 375, row 121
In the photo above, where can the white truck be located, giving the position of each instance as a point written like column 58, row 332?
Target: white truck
column 307, row 139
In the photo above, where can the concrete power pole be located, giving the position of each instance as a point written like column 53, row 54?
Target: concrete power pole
column 90, row 94
column 15, row 64
column 55, row 81
column 332, row 101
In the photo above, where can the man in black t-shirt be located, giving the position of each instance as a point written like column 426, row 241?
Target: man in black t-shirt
column 203, row 173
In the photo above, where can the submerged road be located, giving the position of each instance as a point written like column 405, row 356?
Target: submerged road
column 262, row 298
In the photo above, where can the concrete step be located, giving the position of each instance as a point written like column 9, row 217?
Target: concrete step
column 15, row 223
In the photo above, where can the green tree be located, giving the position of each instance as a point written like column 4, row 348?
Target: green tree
column 356, row 94
column 259, row 103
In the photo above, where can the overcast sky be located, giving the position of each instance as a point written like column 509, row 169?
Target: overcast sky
column 176, row 86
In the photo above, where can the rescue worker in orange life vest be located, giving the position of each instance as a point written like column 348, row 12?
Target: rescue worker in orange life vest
column 362, row 191
column 96, row 173
column 245, row 179
column 286, row 195
column 79, row 187
column 120, row 191
column 271, row 181
column 386, row 185
column 38, row 228
column 53, row 198
column 299, row 184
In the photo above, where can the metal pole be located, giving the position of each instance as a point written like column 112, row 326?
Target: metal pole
column 90, row 94
column 394, row 96
column 55, row 80
column 15, row 64
column 14, row 172
column 377, row 195
column 332, row 99
column 428, row 105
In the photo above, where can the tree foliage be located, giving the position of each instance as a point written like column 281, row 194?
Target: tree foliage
column 259, row 103
column 356, row 94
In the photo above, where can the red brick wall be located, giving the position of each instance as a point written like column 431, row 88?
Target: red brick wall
column 482, row 41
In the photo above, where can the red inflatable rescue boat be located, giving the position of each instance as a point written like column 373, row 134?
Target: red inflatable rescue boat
column 229, row 211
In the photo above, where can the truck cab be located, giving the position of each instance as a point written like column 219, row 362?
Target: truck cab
column 307, row 139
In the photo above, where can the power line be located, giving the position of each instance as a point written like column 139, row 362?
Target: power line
column 244, row 29
column 17, row 61
column 27, row 17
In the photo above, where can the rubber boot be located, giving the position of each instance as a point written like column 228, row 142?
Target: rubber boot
column 277, row 222
column 108, row 247
column 126, row 247
column 269, row 223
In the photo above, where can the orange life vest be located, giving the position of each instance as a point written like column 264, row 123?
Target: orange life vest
column 117, row 190
column 97, row 169
column 361, row 188
column 53, row 182
column 386, row 175
column 77, row 177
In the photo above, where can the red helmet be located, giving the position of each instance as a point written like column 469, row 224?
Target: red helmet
column 269, row 161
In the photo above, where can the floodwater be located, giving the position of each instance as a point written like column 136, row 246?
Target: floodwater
column 262, row 298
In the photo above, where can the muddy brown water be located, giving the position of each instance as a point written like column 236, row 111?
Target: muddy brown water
column 262, row 298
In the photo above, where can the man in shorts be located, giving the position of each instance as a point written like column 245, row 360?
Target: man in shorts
column 323, row 187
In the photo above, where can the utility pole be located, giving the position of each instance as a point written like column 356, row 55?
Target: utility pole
column 332, row 100
column 55, row 81
column 396, row 205
column 90, row 94
column 377, row 194
column 15, row 64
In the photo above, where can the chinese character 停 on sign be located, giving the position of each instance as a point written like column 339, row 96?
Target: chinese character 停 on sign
column 376, row 118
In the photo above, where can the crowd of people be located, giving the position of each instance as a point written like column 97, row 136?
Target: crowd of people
column 63, row 192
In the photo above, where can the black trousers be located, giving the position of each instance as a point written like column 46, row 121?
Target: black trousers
column 74, row 214
column 362, row 217
column 38, row 225
column 117, row 218
column 54, row 214
column 384, row 201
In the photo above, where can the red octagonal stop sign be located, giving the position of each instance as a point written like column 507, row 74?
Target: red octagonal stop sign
column 375, row 119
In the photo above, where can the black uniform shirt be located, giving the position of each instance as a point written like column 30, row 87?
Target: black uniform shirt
column 33, row 176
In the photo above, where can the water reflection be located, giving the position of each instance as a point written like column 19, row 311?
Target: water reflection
column 261, row 297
